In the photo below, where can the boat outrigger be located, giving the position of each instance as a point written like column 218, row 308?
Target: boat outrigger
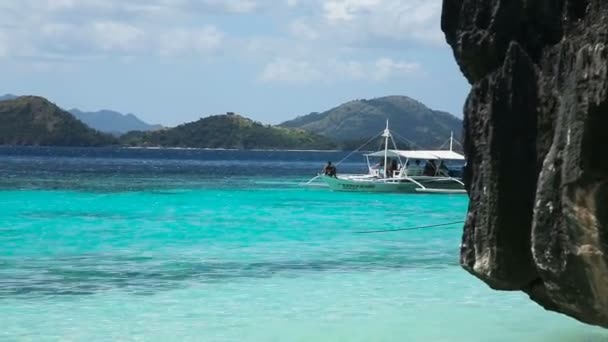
column 404, row 171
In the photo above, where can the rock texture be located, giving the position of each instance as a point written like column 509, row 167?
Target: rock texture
column 536, row 138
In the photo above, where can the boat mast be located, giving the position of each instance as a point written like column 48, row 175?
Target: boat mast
column 451, row 140
column 386, row 135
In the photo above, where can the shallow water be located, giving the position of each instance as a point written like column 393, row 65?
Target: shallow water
column 105, row 244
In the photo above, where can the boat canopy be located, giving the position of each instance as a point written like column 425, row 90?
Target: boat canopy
column 428, row 155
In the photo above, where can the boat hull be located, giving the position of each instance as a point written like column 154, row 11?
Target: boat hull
column 429, row 185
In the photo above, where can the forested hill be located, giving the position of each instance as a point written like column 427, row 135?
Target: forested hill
column 229, row 131
column 32, row 120
column 361, row 119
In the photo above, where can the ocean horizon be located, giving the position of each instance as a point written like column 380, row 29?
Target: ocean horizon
column 126, row 244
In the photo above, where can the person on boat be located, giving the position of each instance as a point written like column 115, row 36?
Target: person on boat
column 329, row 170
column 394, row 167
column 389, row 168
column 429, row 168
column 333, row 172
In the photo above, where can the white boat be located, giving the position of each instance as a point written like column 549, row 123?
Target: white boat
column 412, row 171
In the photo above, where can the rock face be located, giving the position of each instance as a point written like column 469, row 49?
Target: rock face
column 536, row 124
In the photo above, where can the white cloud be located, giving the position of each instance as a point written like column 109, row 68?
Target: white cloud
column 56, row 29
column 376, row 22
column 60, row 4
column 235, row 6
column 300, row 29
column 298, row 40
column 207, row 39
column 50, row 34
column 386, row 68
column 3, row 45
column 183, row 42
column 116, row 28
column 290, row 71
column 117, row 7
column 338, row 10
column 115, row 36
column 286, row 70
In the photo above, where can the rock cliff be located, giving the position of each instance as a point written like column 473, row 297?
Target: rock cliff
column 535, row 137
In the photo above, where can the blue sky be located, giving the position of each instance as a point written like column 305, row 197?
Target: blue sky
column 172, row 61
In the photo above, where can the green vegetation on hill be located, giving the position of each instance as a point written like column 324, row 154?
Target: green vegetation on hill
column 361, row 119
column 228, row 131
column 31, row 120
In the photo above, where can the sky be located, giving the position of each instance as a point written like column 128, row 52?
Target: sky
column 174, row 61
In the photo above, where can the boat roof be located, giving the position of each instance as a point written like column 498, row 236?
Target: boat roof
column 414, row 154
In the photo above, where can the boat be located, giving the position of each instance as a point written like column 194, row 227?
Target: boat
column 408, row 171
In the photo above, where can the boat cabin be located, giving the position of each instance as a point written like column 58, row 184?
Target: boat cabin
column 435, row 163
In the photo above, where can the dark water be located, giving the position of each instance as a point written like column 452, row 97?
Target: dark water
column 121, row 169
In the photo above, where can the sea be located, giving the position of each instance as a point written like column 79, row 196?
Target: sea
column 112, row 244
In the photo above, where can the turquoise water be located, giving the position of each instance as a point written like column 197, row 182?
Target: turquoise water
column 131, row 253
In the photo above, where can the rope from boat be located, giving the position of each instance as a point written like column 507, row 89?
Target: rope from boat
column 414, row 145
column 444, row 144
column 409, row 228
column 358, row 148
column 312, row 180
column 406, row 140
column 447, row 142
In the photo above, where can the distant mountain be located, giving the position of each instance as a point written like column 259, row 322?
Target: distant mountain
column 7, row 97
column 113, row 122
column 362, row 119
column 229, row 131
column 32, row 120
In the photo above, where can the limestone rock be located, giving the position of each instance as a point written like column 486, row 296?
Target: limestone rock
column 536, row 124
